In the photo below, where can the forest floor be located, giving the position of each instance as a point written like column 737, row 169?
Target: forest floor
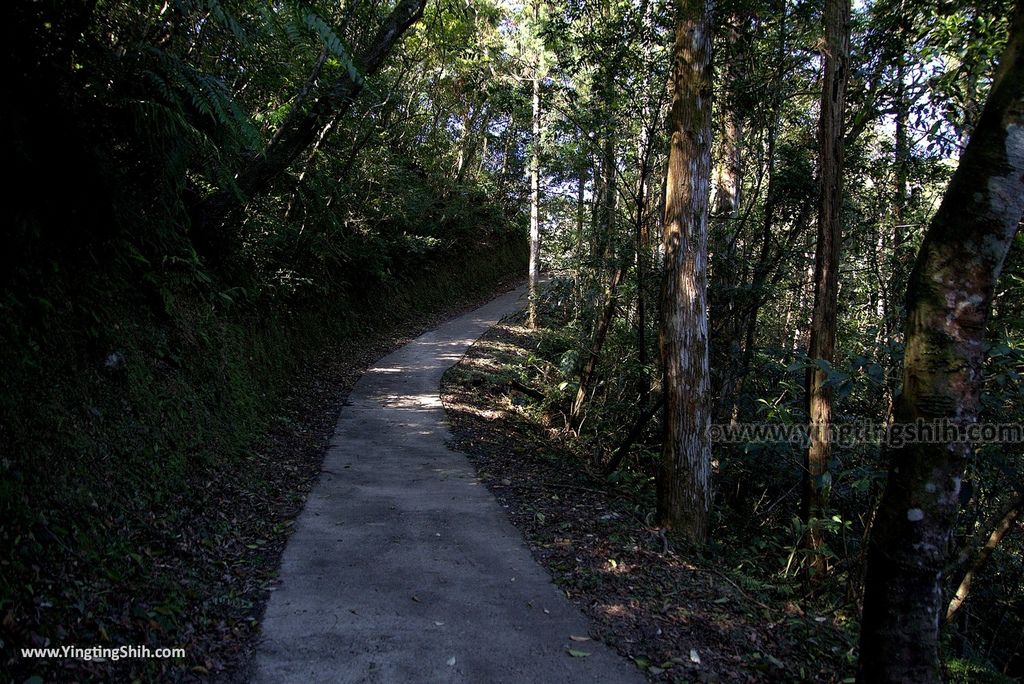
column 676, row 615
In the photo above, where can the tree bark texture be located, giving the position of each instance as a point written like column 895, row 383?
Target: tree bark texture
column 684, row 481
column 826, row 273
column 949, row 299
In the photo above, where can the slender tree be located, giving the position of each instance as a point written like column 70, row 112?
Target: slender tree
column 534, row 267
column 949, row 298
column 684, row 482
column 535, row 202
column 826, row 272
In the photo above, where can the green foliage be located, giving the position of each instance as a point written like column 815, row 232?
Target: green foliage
column 960, row 671
column 131, row 360
column 136, row 371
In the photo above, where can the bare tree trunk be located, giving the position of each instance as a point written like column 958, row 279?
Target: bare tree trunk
column 643, row 214
column 642, row 239
column 642, row 236
column 726, row 273
column 826, row 274
column 535, row 203
column 609, row 199
column 765, row 265
column 900, row 253
column 469, row 140
column 949, row 299
column 684, row 478
column 727, row 181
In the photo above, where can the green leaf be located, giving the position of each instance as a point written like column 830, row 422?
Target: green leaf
column 578, row 654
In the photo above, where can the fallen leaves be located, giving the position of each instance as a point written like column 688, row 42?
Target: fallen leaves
column 678, row 618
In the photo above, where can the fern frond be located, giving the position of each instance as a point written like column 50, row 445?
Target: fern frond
column 334, row 44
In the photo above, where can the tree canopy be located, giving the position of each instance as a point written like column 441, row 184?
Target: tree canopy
column 754, row 214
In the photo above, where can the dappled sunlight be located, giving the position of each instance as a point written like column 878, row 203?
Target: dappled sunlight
column 615, row 567
column 488, row 364
column 411, row 401
column 506, row 348
column 486, row 414
column 615, row 610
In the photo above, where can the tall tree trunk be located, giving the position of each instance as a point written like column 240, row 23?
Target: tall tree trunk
column 949, row 298
column 764, row 265
column 649, row 127
column 470, row 140
column 826, row 273
column 609, row 199
column 297, row 132
column 725, row 276
column 900, row 254
column 581, row 215
column 535, row 202
column 727, row 180
column 642, row 239
column 684, row 478
column 642, row 236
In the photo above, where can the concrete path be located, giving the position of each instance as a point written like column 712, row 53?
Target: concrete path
column 402, row 567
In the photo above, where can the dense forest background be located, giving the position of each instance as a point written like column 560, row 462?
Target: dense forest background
column 206, row 194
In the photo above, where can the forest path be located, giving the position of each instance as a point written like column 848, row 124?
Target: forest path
column 402, row 567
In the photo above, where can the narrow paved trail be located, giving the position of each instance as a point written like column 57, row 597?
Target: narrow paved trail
column 402, row 567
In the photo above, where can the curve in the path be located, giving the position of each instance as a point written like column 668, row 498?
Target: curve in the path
column 402, row 567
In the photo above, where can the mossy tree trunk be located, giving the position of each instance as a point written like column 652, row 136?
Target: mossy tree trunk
column 949, row 298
